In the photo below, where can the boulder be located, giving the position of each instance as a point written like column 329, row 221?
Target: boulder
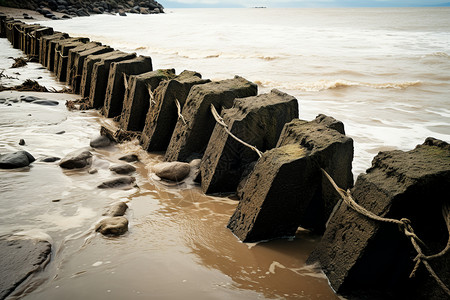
column 16, row 160
column 117, row 210
column 257, row 121
column 112, row 226
column 123, row 169
column 362, row 256
column 76, row 160
column 192, row 132
column 286, row 188
column 162, row 117
column 21, row 258
column 100, row 71
column 100, row 142
column 129, row 158
column 76, row 59
column 137, row 99
column 120, row 182
column 118, row 74
column 174, row 171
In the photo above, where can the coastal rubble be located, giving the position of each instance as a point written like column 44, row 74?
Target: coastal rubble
column 192, row 132
column 116, row 87
column 361, row 256
column 162, row 118
column 258, row 121
column 137, row 98
column 286, row 188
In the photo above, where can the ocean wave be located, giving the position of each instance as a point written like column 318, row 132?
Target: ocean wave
column 322, row 85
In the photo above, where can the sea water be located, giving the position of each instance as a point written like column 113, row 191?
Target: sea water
column 383, row 72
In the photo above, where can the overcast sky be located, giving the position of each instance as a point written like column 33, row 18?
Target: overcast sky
column 300, row 3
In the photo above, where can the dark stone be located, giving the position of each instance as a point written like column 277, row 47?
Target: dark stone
column 100, row 142
column 22, row 142
column 97, row 10
column 286, row 188
column 16, row 160
column 121, row 182
column 174, row 171
column 257, row 121
column 192, row 137
column 123, row 169
column 162, row 116
column 61, row 132
column 28, row 98
column 76, row 160
column 137, row 99
column 50, row 159
column 46, row 102
column 122, row 13
column 115, row 90
column 112, row 226
column 129, row 158
column 21, row 258
column 363, row 256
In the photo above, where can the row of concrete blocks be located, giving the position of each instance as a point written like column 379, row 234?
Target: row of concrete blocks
column 172, row 113
column 284, row 188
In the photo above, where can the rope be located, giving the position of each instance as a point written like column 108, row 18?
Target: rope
column 180, row 116
column 125, row 81
column 220, row 121
column 405, row 226
column 150, row 93
column 60, row 54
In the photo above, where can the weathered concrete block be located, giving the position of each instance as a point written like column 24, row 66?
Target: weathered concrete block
column 62, row 48
column 79, row 57
column 3, row 25
column 115, row 90
column 162, row 117
column 26, row 37
column 36, row 41
column 359, row 254
column 100, row 64
column 45, row 51
column 137, row 98
column 256, row 120
column 191, row 138
column 286, row 188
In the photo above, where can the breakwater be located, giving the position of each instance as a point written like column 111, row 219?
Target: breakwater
column 296, row 151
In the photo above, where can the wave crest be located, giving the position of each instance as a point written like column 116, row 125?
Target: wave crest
column 322, row 85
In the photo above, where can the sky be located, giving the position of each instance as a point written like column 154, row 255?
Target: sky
column 301, row 3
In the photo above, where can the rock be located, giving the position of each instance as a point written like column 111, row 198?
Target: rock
column 93, row 171
column 162, row 118
column 357, row 253
column 174, row 171
column 50, row 159
column 123, row 169
column 121, row 182
column 122, row 13
column 257, row 121
column 28, row 98
column 129, row 158
column 192, row 133
column 76, row 160
column 115, row 90
column 137, row 99
column 117, row 210
column 286, row 188
column 16, row 160
column 100, row 142
column 22, row 142
column 46, row 102
column 61, row 132
column 112, row 226
column 97, row 10
column 21, row 258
